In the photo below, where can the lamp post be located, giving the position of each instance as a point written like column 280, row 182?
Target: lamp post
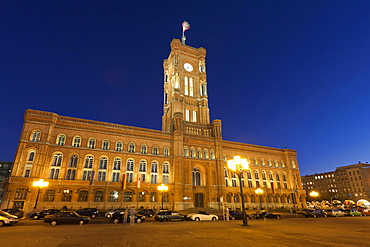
column 259, row 192
column 163, row 188
column 239, row 166
column 40, row 184
column 314, row 194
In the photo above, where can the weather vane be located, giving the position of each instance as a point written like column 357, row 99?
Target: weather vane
column 185, row 26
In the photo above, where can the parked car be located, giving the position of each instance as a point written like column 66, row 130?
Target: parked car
column 42, row 214
column 111, row 212
column 365, row 211
column 315, row 213
column 335, row 212
column 352, row 212
column 167, row 215
column 147, row 212
column 237, row 215
column 13, row 211
column 91, row 212
column 66, row 217
column 202, row 215
column 117, row 217
column 266, row 215
column 7, row 219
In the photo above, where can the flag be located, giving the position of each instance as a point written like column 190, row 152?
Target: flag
column 123, row 181
column 272, row 188
column 138, row 180
column 185, row 26
column 92, row 177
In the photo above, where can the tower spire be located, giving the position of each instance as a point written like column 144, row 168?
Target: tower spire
column 185, row 26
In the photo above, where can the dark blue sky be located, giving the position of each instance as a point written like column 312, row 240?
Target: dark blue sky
column 280, row 73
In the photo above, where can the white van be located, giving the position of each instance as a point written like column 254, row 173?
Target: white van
column 7, row 219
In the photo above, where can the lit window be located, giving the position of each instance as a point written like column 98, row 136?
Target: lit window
column 61, row 140
column 36, row 136
column 91, row 143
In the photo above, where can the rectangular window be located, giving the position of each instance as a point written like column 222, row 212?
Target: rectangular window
column 153, row 178
column 165, row 179
column 49, row 195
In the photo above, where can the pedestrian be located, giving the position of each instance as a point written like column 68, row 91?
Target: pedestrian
column 125, row 214
column 132, row 213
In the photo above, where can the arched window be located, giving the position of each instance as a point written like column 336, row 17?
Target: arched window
column 205, row 152
column 83, row 196
column 271, row 176
column 98, row 196
column 73, row 160
column 196, row 176
column 166, row 151
column 166, row 168
column 142, row 167
column 199, row 153
column 269, row 162
column 155, row 166
column 192, row 152
column 61, row 139
column 212, row 154
column 66, row 195
column 36, row 136
column 57, row 159
column 119, row 146
column 155, row 150
column 194, row 116
column 49, row 195
column 293, row 164
column 130, row 165
column 186, row 85
column 117, row 164
column 113, row 196
column 233, row 179
column 186, row 154
column 105, row 145
column 89, row 161
column 143, row 149
column 31, row 156
column 256, row 176
column 91, row 144
column 103, row 163
column 76, row 141
column 191, row 87
column 131, row 148
column 262, row 162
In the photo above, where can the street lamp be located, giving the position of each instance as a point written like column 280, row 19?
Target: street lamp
column 41, row 184
column 239, row 166
column 314, row 194
column 162, row 188
column 259, row 192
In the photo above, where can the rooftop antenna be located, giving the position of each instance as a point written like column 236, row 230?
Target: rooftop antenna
column 185, row 26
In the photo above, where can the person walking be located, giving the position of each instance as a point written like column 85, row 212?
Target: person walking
column 132, row 213
column 125, row 216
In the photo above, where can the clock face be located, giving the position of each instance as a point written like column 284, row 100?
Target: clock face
column 188, row 67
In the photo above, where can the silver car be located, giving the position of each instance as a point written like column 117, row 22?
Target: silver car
column 335, row 212
column 7, row 219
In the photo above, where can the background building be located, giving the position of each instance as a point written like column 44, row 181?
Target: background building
column 5, row 170
column 346, row 183
column 97, row 164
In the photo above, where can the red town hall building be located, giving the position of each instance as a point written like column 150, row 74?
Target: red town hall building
column 105, row 165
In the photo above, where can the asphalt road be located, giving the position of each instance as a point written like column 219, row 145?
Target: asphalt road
column 288, row 231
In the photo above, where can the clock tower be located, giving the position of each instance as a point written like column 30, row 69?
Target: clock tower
column 185, row 87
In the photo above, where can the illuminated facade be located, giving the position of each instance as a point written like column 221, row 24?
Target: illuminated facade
column 346, row 183
column 105, row 165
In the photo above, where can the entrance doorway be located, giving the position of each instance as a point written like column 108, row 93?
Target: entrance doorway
column 199, row 200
